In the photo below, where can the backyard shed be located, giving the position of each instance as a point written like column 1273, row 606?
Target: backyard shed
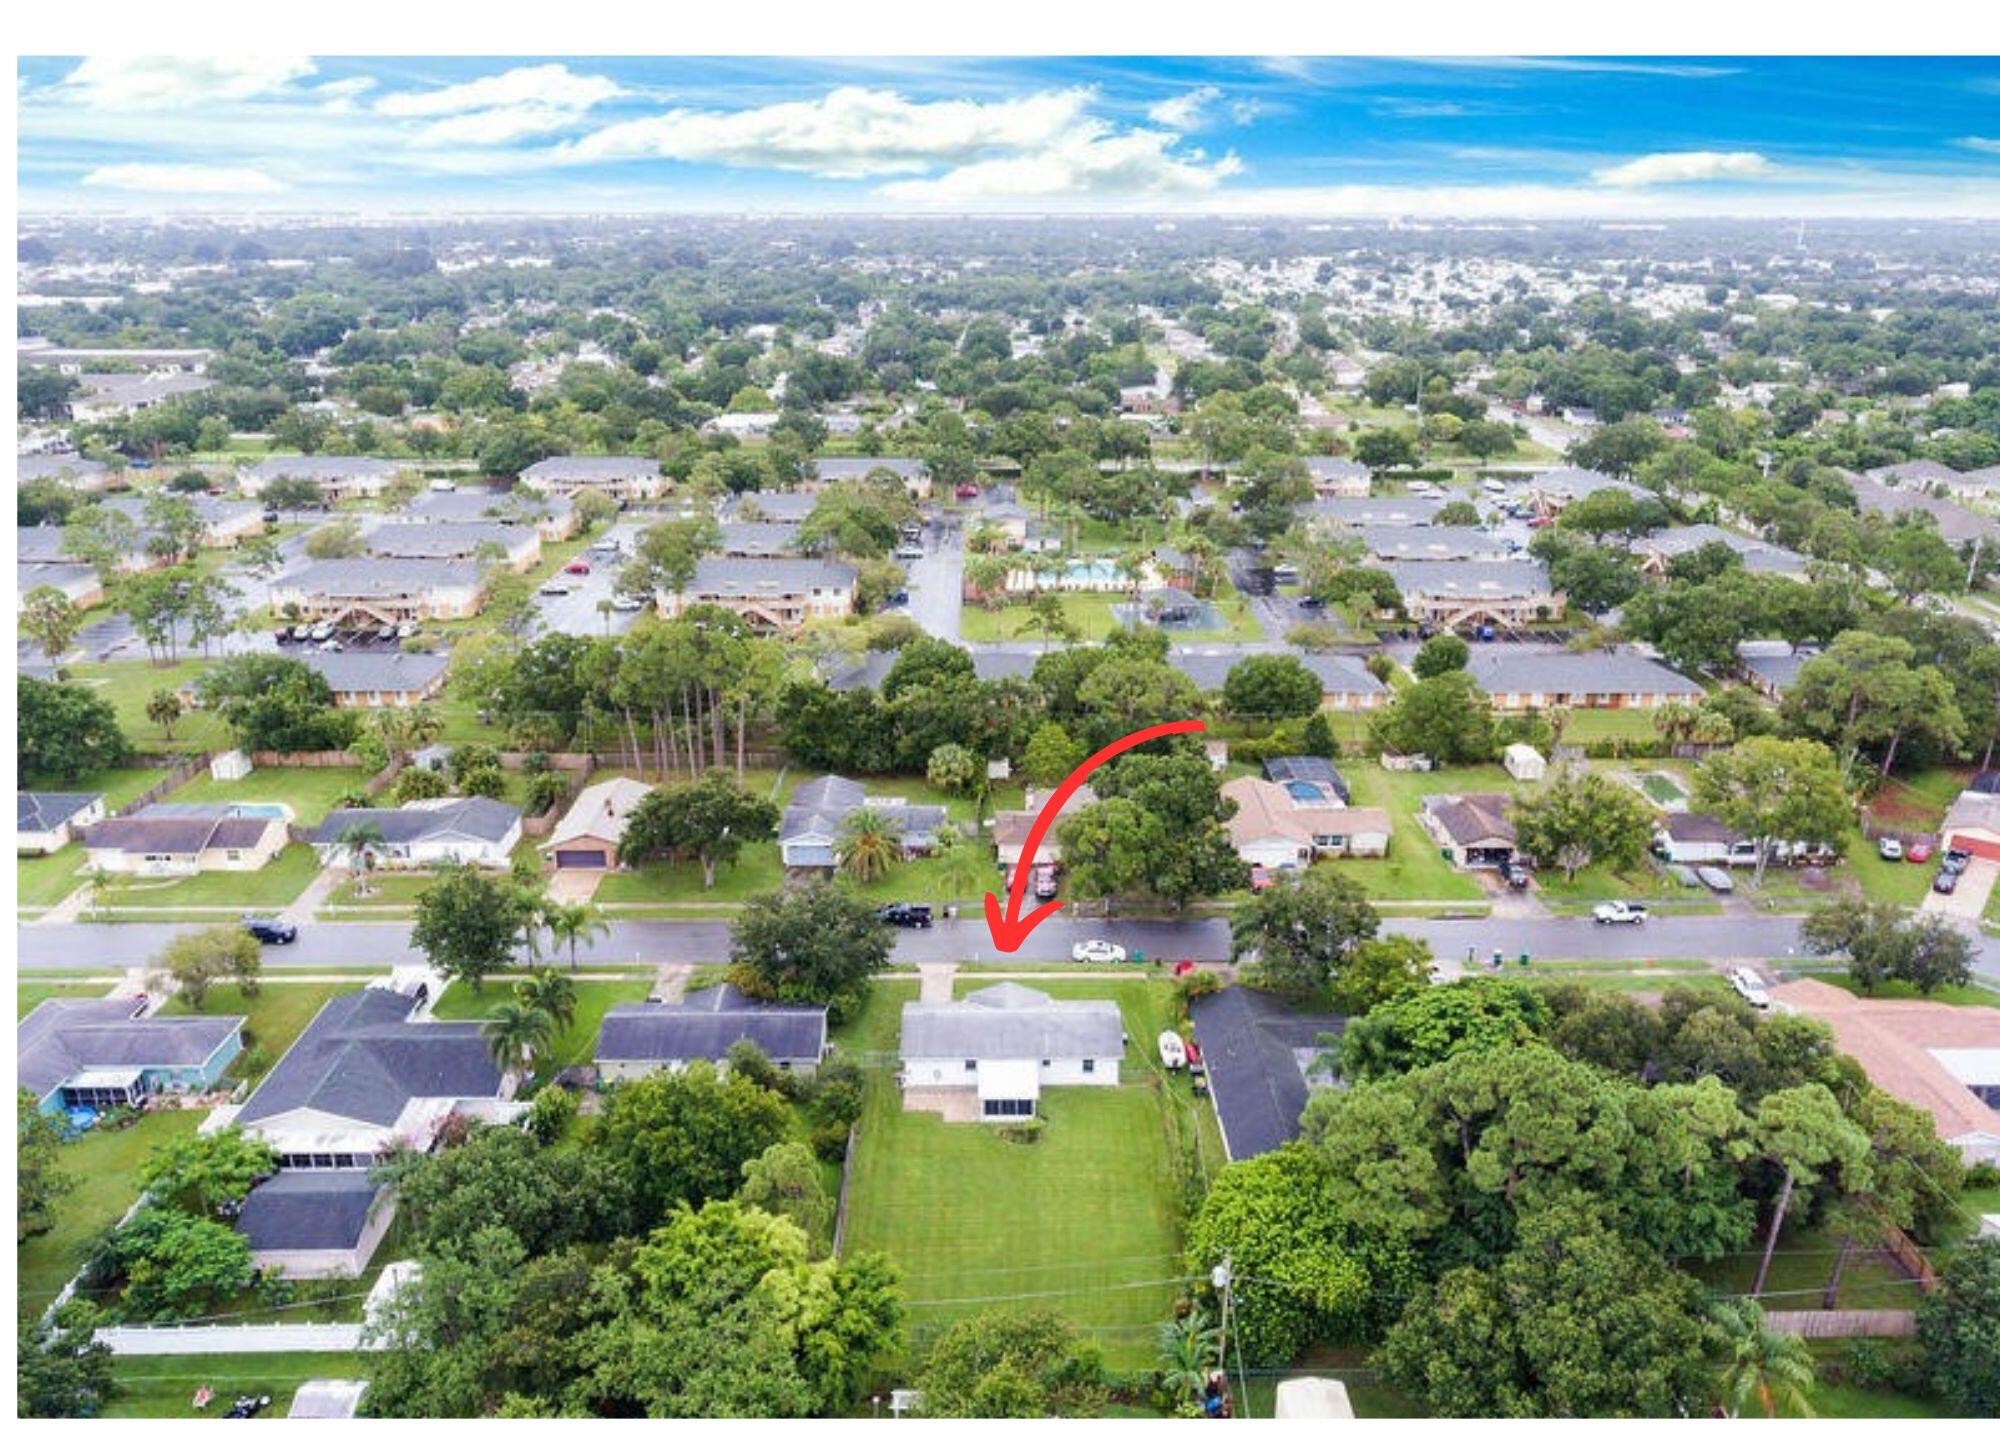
column 1525, row 763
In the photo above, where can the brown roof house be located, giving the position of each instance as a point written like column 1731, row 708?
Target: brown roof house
column 1011, row 828
column 1472, row 829
column 1938, row 1058
column 1276, row 826
column 168, row 840
column 589, row 834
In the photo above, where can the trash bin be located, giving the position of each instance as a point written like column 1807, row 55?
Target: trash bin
column 1524, row 960
column 1138, row 956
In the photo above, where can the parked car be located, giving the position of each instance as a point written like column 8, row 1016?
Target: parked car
column 1683, row 875
column 1946, row 880
column 1097, row 950
column 1750, row 986
column 627, row 603
column 1045, row 880
column 577, row 568
column 271, row 930
column 555, row 588
column 1715, row 880
column 1956, row 860
column 1619, row 911
column 1919, row 851
column 1173, row 1051
column 1261, row 878
column 1516, row 874
column 320, row 631
column 905, row 915
column 1890, row 849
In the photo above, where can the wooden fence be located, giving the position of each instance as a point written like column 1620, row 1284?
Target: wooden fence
column 846, row 1175
column 185, row 772
column 1843, row 1324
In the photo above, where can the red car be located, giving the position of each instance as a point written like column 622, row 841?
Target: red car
column 1919, row 851
column 1261, row 878
column 577, row 568
column 967, row 491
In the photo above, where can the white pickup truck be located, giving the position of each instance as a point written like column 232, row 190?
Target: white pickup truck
column 1619, row 912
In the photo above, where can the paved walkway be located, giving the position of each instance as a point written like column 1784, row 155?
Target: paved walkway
column 937, row 980
column 305, row 908
column 72, row 908
column 671, row 984
column 1967, row 902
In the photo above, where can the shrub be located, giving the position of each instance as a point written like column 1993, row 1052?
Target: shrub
column 1023, row 1133
column 551, row 1113
column 829, row 1142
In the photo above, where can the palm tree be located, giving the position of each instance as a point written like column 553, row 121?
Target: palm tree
column 1759, row 1362
column 517, row 1034
column 359, row 843
column 574, row 923
column 1189, row 1349
column 870, row 843
column 422, row 724
column 533, row 910
column 553, row 993
column 1674, row 722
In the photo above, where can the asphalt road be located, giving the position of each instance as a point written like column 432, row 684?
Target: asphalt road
column 577, row 612
column 1719, row 939
column 936, row 582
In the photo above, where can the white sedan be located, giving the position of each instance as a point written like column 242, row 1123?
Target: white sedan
column 1097, row 950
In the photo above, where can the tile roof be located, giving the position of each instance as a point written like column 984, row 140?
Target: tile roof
column 67, row 1035
column 308, row 1210
column 707, row 1025
column 1008, row 1021
column 362, row 1059
column 1257, row 1049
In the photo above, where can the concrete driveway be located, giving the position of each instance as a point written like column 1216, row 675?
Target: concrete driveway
column 1965, row 903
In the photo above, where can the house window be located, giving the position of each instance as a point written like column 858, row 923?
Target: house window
column 234, row 855
column 971, row 1064
column 1008, row 1106
column 1090, row 1064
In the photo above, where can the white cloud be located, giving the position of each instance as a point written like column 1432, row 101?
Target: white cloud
column 211, row 179
column 1184, row 111
column 1979, row 145
column 1092, row 162
column 176, row 81
column 1690, row 166
column 500, row 108
column 849, row 133
column 338, row 96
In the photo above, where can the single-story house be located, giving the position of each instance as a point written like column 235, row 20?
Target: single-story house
column 1474, row 593
column 1006, row 1043
column 913, row 473
column 1264, row 1062
column 553, row 517
column 1660, row 549
column 1938, row 1058
column 105, row 1051
column 1698, row 838
column 1474, row 830
column 1345, row 682
column 820, row 808
column 1772, row 667
column 1363, row 511
column 337, row 477
column 622, row 478
column 1609, row 679
column 426, row 833
column 1307, row 771
column 316, row 1225
column 78, row 473
column 589, row 832
column 172, row 840
column 759, row 539
column 782, row 593
column 1338, row 476
column 375, row 679
column 1011, row 828
column 519, row 546
column 43, row 546
column 381, row 590
column 1550, row 492
column 640, row 1038
column 1388, row 544
column 80, row 585
column 1020, row 528
column 1972, row 823
column 369, row 1075
column 43, row 823
column 1280, row 826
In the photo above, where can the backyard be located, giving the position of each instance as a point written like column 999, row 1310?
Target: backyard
column 576, row 1044
column 163, row 1386
column 1092, row 614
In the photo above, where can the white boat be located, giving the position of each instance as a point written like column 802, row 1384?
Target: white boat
column 1173, row 1052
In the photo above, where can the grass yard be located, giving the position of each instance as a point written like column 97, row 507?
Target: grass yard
column 1972, row 996
column 310, row 793
column 44, row 882
column 576, row 1044
column 28, row 995
column 105, row 1168
column 1092, row 615
column 265, row 890
column 1904, row 883
column 275, row 1016
column 1414, row 870
column 127, row 684
column 1586, row 725
column 1081, row 1222
column 757, row 870
column 118, row 786
column 163, row 1386
column 1802, row 1269
column 873, row 1032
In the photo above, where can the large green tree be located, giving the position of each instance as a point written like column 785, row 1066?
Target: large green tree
column 65, row 732
column 467, row 924
column 1776, row 791
column 1580, row 819
column 816, row 944
column 684, row 1136
column 1296, row 934
column 1447, row 717
column 709, row 821
column 1959, row 1329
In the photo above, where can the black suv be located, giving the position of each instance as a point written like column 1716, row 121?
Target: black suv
column 906, row 915
column 271, row 930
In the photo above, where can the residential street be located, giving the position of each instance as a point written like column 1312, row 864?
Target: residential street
column 1719, row 939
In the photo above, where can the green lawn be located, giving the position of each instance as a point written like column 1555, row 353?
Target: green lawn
column 1972, row 996
column 1092, row 615
column 127, row 684
column 1803, row 1267
column 118, row 786
column 105, row 1168
column 756, row 871
column 163, row 1386
column 873, row 1032
column 310, row 793
column 1081, row 1222
column 1415, row 869
column 264, row 890
column 1904, row 883
column 275, row 1016
column 577, row 1043
column 46, row 881
column 28, row 995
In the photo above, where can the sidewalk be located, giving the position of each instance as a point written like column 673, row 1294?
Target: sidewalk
column 305, row 908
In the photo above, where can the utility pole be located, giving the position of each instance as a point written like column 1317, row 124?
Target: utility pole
column 1222, row 1279
column 1972, row 566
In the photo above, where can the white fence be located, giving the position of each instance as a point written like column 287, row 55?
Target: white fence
column 228, row 1339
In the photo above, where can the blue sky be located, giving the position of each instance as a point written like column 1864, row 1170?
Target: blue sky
column 1634, row 138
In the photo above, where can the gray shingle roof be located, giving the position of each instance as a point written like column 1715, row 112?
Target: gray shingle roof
column 759, row 538
column 1009, row 1021
column 445, row 540
column 67, row 1035
column 363, row 1059
column 448, row 507
column 324, row 468
column 594, row 468
column 151, row 831
column 43, row 813
column 788, row 507
column 370, row 576
column 475, row 818
column 27, row 468
column 854, row 468
column 747, row 576
column 1256, row 1050
column 1472, row 818
column 355, row 672
column 1576, row 673
column 1372, row 510
column 707, row 1025
column 1338, row 674
column 1330, row 466
column 43, row 544
column 1757, row 555
column 1470, row 580
column 308, row 1210
column 1575, row 482
column 820, row 806
column 1431, row 543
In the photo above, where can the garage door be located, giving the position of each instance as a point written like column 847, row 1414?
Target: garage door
column 580, row 858
column 1977, row 847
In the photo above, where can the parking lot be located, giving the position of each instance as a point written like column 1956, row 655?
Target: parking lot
column 577, row 613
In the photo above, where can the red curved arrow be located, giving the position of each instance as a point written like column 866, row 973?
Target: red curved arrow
column 1010, row 928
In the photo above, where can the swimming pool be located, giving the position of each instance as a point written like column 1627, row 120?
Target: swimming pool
column 261, row 811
